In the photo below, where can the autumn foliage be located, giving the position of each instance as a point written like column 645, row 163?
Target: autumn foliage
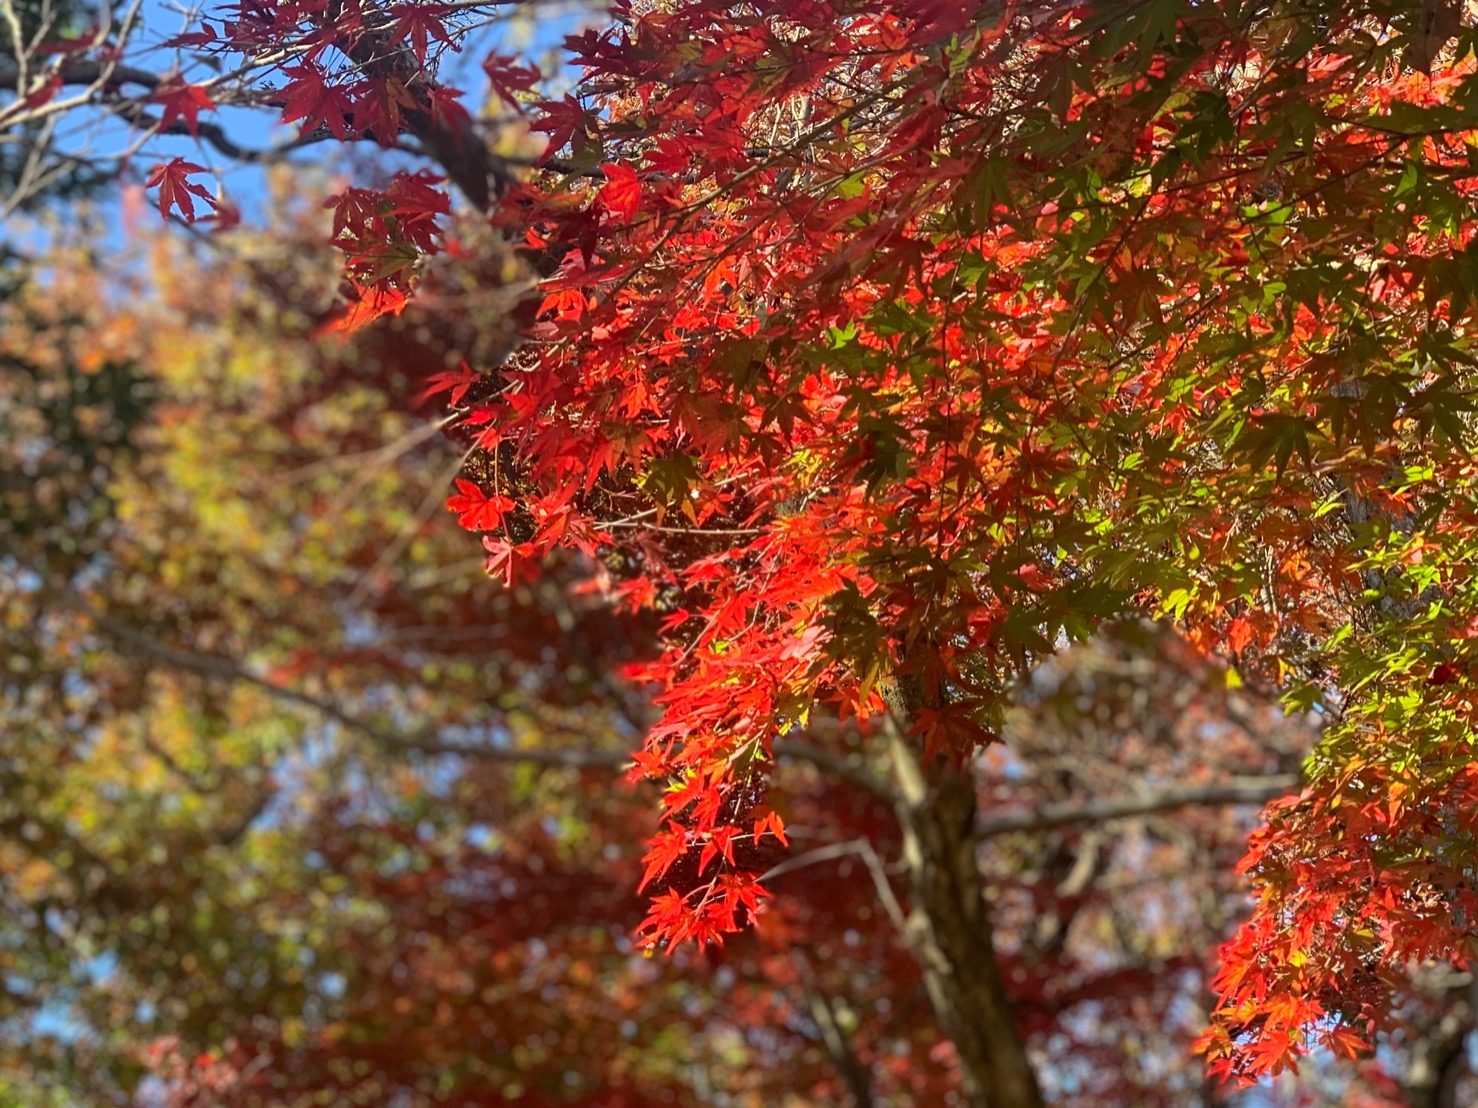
column 928, row 337
column 875, row 351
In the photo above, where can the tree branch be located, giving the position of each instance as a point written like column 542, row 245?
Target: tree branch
column 426, row 740
column 478, row 171
column 218, row 667
column 1239, row 790
column 1247, row 790
column 834, row 1036
column 85, row 71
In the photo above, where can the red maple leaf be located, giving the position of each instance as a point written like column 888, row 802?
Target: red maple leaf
column 183, row 102
column 449, row 115
column 669, row 922
column 477, row 511
column 509, row 77
column 64, row 46
column 377, row 108
column 358, row 223
column 720, row 842
column 455, row 382
column 42, row 93
column 621, row 194
column 226, row 216
column 664, row 849
column 1239, row 633
column 311, row 99
column 772, row 823
column 505, row 559
column 203, row 37
column 176, row 189
column 368, row 304
column 566, row 122
column 416, row 201
column 419, row 23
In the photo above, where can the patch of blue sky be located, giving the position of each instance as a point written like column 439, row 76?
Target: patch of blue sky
column 534, row 30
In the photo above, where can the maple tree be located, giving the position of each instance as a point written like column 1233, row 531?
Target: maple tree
column 201, row 754
column 931, row 336
column 884, row 348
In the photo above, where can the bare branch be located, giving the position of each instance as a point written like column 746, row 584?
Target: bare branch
column 215, row 135
column 86, row 71
column 826, row 853
column 849, row 1067
column 1240, row 790
column 860, row 848
column 845, row 766
column 426, row 740
column 217, row 667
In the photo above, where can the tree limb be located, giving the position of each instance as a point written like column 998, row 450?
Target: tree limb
column 1248, row 790
column 1239, row 790
column 86, row 71
column 850, row 1068
column 425, row 740
column 463, row 155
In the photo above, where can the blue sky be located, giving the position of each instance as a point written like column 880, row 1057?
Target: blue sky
column 535, row 32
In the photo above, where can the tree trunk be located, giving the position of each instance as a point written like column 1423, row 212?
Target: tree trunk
column 1439, row 1047
column 951, row 933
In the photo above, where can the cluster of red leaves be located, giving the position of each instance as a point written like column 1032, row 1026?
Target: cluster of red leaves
column 743, row 839
column 804, row 520
column 1379, row 894
column 352, row 72
column 385, row 234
